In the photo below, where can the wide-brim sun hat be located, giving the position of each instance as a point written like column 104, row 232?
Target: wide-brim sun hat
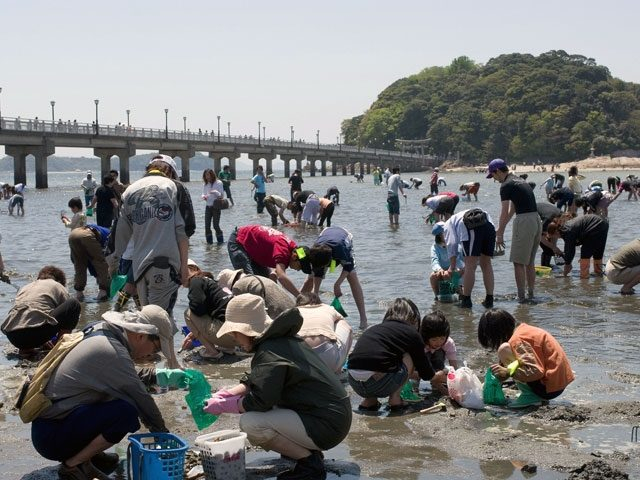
column 192, row 263
column 245, row 314
column 438, row 228
column 227, row 277
column 151, row 320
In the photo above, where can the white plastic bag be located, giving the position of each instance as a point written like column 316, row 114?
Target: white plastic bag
column 465, row 388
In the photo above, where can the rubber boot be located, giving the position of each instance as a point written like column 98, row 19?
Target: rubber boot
column 488, row 301
column 526, row 398
column 209, row 239
column 584, row 267
column 465, row 301
column 121, row 301
column 220, row 239
column 597, row 267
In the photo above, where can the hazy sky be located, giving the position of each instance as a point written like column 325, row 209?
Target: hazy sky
column 306, row 64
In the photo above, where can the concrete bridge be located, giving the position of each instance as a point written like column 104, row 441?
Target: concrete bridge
column 22, row 137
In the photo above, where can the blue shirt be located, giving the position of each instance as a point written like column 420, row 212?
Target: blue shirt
column 440, row 259
column 259, row 182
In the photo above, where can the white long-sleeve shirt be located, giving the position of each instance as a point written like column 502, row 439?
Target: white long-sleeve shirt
column 455, row 232
column 211, row 191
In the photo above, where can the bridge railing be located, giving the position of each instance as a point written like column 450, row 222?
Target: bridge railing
column 74, row 128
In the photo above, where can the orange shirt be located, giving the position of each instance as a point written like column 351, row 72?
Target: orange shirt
column 541, row 358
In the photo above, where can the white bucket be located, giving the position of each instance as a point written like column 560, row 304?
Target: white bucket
column 222, row 454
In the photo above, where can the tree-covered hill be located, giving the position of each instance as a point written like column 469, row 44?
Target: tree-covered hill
column 553, row 107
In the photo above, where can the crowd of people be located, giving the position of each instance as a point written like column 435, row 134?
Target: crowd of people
column 292, row 400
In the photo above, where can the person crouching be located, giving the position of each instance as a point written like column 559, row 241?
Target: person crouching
column 290, row 402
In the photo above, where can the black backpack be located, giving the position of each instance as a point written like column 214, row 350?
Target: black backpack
column 474, row 218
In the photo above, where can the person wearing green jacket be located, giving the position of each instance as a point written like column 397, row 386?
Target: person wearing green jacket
column 291, row 402
column 225, row 177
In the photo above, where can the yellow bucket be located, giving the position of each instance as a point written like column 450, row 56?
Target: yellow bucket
column 542, row 271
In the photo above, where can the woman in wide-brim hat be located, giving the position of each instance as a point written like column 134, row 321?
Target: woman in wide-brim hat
column 291, row 401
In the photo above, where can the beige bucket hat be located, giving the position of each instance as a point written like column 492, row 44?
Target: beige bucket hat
column 245, row 314
column 227, row 277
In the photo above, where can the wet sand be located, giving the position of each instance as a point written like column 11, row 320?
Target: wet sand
column 553, row 441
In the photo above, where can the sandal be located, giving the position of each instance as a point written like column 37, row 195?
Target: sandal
column 371, row 408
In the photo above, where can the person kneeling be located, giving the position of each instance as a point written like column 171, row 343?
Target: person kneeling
column 97, row 395
column 291, row 402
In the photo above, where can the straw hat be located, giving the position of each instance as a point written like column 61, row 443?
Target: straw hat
column 245, row 314
column 227, row 277
column 151, row 320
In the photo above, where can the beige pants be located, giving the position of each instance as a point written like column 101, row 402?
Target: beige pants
column 205, row 329
column 263, row 427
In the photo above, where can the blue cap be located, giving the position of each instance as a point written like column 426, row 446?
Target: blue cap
column 495, row 165
column 438, row 228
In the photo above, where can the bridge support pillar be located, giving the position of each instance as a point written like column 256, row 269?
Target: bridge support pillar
column 344, row 169
column 105, row 154
column 334, row 168
column 269, row 165
column 40, row 152
column 362, row 168
column 287, row 167
column 185, row 156
column 232, row 165
column 368, row 168
column 312, row 167
column 217, row 161
column 323, row 168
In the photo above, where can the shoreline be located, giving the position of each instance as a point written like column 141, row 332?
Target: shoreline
column 595, row 164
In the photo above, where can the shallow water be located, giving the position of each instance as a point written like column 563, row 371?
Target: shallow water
column 597, row 327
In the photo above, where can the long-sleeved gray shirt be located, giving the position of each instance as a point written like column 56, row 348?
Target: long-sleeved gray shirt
column 100, row 369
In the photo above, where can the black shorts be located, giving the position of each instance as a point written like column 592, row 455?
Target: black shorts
column 447, row 205
column 482, row 241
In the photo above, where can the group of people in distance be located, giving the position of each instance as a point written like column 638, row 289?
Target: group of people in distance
column 291, row 401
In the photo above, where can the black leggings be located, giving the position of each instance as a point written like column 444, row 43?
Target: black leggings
column 67, row 315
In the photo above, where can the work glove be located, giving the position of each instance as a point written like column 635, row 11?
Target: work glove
column 223, row 404
column 173, row 378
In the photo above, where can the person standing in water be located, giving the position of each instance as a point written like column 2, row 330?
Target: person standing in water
column 393, row 200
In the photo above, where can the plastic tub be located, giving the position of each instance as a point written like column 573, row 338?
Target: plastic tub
column 222, row 454
column 542, row 271
column 156, row 456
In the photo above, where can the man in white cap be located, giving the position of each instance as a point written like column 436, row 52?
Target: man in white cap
column 89, row 186
column 98, row 396
column 155, row 218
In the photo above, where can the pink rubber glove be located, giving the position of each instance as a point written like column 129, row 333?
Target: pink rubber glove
column 217, row 404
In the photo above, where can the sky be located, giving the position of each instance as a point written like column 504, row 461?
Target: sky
column 304, row 64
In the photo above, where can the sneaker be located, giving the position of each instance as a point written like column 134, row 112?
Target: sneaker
column 106, row 462
column 83, row 471
column 465, row 301
column 308, row 468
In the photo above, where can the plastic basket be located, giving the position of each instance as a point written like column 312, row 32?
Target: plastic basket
column 156, row 456
column 447, row 290
column 222, row 455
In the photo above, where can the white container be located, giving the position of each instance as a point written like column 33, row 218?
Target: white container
column 222, row 454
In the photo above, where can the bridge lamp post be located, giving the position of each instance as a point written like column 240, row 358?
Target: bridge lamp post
column 166, row 123
column 318, row 139
column 229, row 130
column 292, row 136
column 184, row 120
column 96, row 101
column 264, row 133
column 128, row 113
column 218, row 128
column 259, row 123
column 53, row 113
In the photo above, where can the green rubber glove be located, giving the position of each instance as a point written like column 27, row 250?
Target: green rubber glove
column 166, row 377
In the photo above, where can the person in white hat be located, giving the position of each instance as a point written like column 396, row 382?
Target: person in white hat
column 440, row 261
column 157, row 214
column 98, row 396
column 89, row 186
column 291, row 402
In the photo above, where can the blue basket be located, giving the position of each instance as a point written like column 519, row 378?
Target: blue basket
column 156, row 456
